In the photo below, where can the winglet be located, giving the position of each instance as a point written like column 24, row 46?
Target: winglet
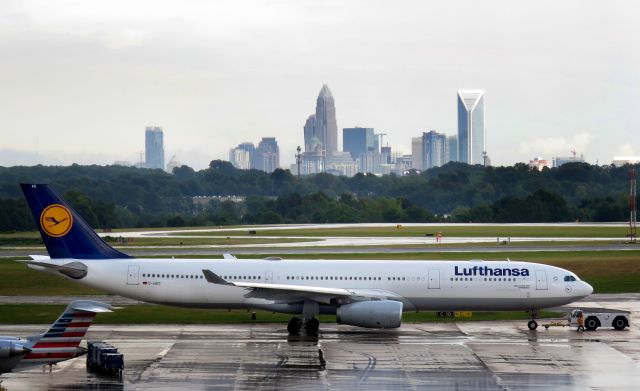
column 213, row 278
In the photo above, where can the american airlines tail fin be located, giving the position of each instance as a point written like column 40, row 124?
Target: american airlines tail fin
column 62, row 340
column 64, row 232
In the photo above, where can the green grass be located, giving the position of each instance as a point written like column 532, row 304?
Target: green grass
column 464, row 230
column 19, row 280
column 155, row 314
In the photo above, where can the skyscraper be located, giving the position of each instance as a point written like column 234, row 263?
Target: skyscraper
column 453, row 149
column 326, row 127
column 154, row 147
column 309, row 133
column 357, row 141
column 471, row 130
column 416, row 153
column 268, row 154
column 434, row 149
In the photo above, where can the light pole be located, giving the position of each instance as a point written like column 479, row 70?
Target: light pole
column 298, row 159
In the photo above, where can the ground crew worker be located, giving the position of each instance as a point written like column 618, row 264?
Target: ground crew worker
column 580, row 321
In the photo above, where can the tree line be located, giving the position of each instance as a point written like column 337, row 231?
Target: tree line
column 115, row 196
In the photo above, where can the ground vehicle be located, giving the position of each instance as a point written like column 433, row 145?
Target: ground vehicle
column 595, row 318
column 105, row 358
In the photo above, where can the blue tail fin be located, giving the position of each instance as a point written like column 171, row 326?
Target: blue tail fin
column 63, row 231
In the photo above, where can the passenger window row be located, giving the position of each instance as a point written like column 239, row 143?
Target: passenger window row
column 359, row 278
column 485, row 279
column 182, row 276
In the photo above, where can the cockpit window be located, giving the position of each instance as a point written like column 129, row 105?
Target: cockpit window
column 569, row 278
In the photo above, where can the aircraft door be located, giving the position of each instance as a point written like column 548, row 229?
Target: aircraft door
column 133, row 275
column 268, row 277
column 434, row 279
column 541, row 280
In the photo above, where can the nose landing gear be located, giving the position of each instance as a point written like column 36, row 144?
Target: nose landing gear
column 532, row 323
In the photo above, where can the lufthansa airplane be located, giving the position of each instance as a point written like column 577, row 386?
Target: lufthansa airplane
column 370, row 294
column 61, row 342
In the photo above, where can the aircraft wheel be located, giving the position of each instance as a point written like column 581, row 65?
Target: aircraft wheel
column 311, row 326
column 619, row 323
column 532, row 324
column 294, row 326
column 591, row 323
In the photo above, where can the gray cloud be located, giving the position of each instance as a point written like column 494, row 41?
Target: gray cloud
column 87, row 77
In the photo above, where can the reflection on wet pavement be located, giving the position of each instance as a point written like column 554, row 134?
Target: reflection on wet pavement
column 439, row 356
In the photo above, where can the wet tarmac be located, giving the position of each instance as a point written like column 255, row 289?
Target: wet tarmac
column 439, row 356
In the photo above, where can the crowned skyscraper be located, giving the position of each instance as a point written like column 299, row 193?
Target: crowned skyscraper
column 471, row 130
column 326, row 127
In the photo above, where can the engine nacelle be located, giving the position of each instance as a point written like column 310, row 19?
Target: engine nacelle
column 382, row 314
column 11, row 349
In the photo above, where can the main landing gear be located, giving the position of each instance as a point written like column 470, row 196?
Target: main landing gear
column 307, row 325
column 304, row 326
column 532, row 323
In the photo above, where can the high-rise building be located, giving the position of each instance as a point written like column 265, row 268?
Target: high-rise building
column 416, row 153
column 386, row 154
column 453, row 149
column 173, row 163
column 325, row 124
column 370, row 162
column 310, row 133
column 268, row 154
column 154, row 147
column 357, row 141
column 434, row 149
column 471, row 128
column 240, row 158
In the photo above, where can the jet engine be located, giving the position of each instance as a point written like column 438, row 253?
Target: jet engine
column 381, row 314
column 11, row 349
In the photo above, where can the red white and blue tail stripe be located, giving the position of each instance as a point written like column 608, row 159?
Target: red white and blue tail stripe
column 62, row 340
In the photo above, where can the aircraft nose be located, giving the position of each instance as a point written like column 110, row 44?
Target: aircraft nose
column 588, row 289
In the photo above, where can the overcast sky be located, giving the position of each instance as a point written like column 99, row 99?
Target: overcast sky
column 80, row 80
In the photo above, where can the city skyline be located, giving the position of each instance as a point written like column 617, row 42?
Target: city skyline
column 234, row 72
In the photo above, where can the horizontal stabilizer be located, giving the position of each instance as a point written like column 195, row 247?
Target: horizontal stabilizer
column 75, row 270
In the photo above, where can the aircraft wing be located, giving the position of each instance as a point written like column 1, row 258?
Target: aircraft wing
column 294, row 293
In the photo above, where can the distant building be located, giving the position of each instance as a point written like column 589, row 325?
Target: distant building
column 416, row 153
column 123, row 163
column 559, row 161
column 310, row 132
column 357, row 141
column 240, row 158
column 154, row 147
column 386, row 155
column 453, row 149
column 243, row 157
column 325, row 124
column 622, row 160
column 370, row 162
column 471, row 126
column 341, row 163
column 173, row 163
column 268, row 154
column 434, row 149
column 539, row 163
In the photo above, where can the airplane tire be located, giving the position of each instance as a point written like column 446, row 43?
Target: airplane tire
column 591, row 323
column 294, row 326
column 532, row 325
column 619, row 323
column 311, row 326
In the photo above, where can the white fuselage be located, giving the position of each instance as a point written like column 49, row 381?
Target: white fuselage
column 420, row 285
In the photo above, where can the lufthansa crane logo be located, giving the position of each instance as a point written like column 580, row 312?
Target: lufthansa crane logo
column 56, row 220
